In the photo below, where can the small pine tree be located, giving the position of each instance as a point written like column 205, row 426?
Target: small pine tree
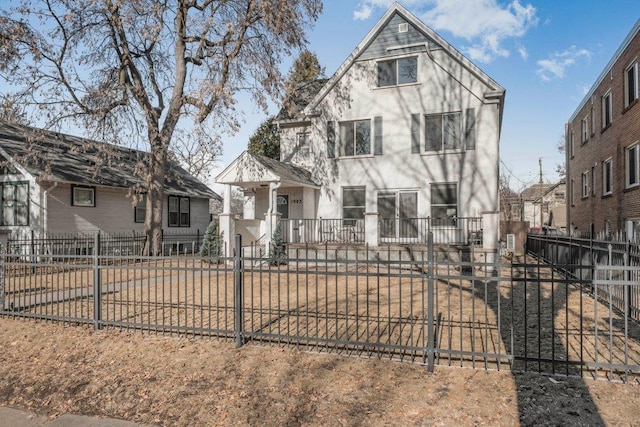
column 277, row 250
column 211, row 242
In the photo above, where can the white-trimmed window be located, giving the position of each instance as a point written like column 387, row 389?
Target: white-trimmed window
column 83, row 196
column 572, row 187
column 179, row 211
column 15, row 203
column 585, row 129
column 444, row 203
column 585, row 184
column 631, row 84
column 607, row 185
column 607, row 110
column 593, row 181
column 398, row 71
column 571, row 149
column 632, row 171
column 140, row 210
column 443, row 132
column 303, row 144
column 353, row 204
column 355, row 138
column 593, row 121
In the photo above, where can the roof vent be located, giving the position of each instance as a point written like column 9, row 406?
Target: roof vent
column 403, row 28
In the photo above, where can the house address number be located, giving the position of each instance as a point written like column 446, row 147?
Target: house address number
column 296, row 201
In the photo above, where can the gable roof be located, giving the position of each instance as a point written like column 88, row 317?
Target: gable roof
column 252, row 169
column 57, row 157
column 496, row 91
column 536, row 190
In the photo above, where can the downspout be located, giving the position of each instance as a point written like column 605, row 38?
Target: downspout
column 45, row 208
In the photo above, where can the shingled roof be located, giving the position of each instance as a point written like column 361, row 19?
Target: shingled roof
column 57, row 157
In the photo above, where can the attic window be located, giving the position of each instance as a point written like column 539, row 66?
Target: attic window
column 398, row 71
column 403, row 28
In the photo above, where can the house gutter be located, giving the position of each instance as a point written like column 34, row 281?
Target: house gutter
column 45, row 208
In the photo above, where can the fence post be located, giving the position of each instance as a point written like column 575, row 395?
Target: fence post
column 238, row 291
column 430, row 297
column 627, row 278
column 97, row 288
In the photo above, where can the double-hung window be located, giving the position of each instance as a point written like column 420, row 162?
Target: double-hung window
column 140, row 210
column 585, row 184
column 303, row 144
column 355, row 138
column 585, row 129
column 631, row 84
column 607, row 110
column 179, row 211
column 632, row 171
column 606, row 177
column 444, row 203
column 15, row 203
column 353, row 204
column 443, row 132
column 398, row 71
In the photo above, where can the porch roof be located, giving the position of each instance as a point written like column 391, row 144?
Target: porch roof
column 252, row 170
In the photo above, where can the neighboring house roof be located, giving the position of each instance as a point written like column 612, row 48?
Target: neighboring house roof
column 56, row 157
column 537, row 190
column 299, row 99
column 252, row 169
column 605, row 73
column 435, row 42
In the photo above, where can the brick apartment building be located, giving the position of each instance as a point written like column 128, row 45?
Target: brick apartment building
column 603, row 149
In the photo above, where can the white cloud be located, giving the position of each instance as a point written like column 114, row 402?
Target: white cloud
column 556, row 65
column 485, row 24
column 524, row 54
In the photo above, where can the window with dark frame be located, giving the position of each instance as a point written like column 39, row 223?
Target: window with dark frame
column 353, row 204
column 606, row 177
column 355, row 138
column 443, row 132
column 593, row 181
column 444, row 204
column 631, row 84
column 15, row 203
column 179, row 211
column 83, row 196
column 398, row 71
column 606, row 110
column 140, row 210
column 631, row 168
column 585, row 130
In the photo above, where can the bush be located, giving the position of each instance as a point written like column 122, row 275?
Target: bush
column 211, row 242
column 277, row 249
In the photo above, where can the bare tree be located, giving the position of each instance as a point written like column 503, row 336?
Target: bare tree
column 123, row 68
column 197, row 151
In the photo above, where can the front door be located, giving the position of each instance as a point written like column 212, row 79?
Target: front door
column 397, row 212
column 283, row 205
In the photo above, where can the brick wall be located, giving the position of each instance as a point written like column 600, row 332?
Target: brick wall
column 602, row 144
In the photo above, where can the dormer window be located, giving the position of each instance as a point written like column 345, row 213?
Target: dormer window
column 398, row 71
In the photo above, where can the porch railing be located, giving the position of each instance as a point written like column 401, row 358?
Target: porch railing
column 322, row 230
column 390, row 230
column 445, row 230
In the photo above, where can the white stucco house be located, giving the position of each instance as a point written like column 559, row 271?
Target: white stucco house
column 54, row 184
column 401, row 140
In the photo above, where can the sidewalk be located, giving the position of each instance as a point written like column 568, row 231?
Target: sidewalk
column 10, row 417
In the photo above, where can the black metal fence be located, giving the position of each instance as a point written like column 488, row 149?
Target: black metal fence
column 456, row 308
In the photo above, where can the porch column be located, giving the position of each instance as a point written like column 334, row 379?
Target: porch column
column 272, row 216
column 228, row 232
column 227, row 223
column 371, row 228
column 490, row 234
column 308, row 212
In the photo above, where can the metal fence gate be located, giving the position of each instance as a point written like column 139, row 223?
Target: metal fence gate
column 429, row 305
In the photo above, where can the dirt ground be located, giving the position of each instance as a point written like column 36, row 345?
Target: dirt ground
column 54, row 369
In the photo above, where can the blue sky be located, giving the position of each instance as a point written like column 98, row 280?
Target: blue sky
column 546, row 54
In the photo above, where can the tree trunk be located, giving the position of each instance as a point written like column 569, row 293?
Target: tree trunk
column 155, row 199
